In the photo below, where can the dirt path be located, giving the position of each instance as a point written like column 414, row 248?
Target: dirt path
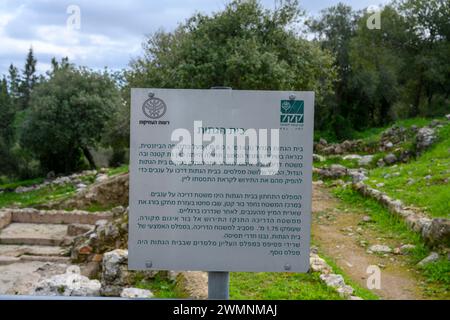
column 338, row 235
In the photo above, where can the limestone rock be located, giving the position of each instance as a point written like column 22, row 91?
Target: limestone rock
column 115, row 274
column 338, row 170
column 352, row 157
column 381, row 163
column 105, row 237
column 101, row 177
column 365, row 160
column 72, row 283
column 345, row 291
column 390, row 159
column 433, row 257
column 333, row 280
column 404, row 249
column 424, row 139
column 133, row 293
column 389, row 145
column 393, row 135
column 318, row 158
column 318, row 264
column 379, row 248
column 75, row 229
column 357, row 175
column 438, row 232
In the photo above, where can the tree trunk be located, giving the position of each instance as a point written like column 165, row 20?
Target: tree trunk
column 89, row 158
column 415, row 107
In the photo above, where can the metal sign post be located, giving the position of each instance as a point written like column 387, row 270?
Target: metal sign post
column 218, row 285
column 219, row 282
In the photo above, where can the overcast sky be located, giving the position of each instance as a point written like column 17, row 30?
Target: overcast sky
column 111, row 32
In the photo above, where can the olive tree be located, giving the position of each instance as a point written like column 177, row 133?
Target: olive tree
column 68, row 113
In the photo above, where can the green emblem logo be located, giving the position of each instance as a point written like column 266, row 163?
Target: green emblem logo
column 292, row 111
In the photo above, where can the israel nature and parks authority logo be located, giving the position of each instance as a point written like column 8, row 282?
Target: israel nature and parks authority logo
column 292, row 111
column 154, row 108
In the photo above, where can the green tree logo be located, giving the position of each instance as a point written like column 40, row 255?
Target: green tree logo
column 292, row 111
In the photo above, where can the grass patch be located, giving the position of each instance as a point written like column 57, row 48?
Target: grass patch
column 24, row 183
column 374, row 134
column 98, row 207
column 36, row 197
column 436, row 274
column 161, row 287
column 89, row 179
column 281, row 286
column 423, row 183
column 352, row 163
column 118, row 170
column 438, row 271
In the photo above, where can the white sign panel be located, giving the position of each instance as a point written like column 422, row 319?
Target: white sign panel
column 220, row 180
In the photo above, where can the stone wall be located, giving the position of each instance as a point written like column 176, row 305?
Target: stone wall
column 107, row 192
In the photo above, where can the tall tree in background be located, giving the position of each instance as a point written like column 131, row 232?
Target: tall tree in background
column 334, row 29
column 6, row 129
column 14, row 83
column 378, row 58
column 428, row 69
column 29, row 79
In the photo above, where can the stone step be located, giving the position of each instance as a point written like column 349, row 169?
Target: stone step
column 55, row 259
column 34, row 234
column 30, row 215
column 7, row 260
column 13, row 250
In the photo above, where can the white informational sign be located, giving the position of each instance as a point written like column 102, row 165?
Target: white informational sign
column 220, row 180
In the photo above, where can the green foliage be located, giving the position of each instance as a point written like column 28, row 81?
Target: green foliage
column 279, row 286
column 438, row 271
column 245, row 285
column 160, row 286
column 427, row 64
column 68, row 114
column 243, row 47
column 36, row 197
column 376, row 64
column 408, row 182
column 374, row 133
column 6, row 129
column 14, row 82
column 330, row 160
column 118, row 170
column 398, row 71
column 24, row 183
